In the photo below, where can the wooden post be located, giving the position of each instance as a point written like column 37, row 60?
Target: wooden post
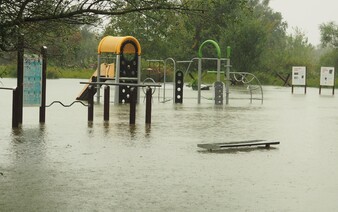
column 43, row 92
column 333, row 90
column 19, row 96
column 148, row 105
column 15, row 108
column 91, row 104
column 334, row 85
column 132, row 111
column 106, row 103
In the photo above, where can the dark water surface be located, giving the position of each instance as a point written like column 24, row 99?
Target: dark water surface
column 68, row 165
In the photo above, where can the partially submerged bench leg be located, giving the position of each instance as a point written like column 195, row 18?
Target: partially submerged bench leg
column 267, row 146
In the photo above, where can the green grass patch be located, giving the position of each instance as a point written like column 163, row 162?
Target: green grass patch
column 53, row 72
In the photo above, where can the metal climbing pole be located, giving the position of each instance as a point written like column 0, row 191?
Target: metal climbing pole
column 227, row 76
column 200, row 65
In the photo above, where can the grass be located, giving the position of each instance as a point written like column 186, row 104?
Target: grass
column 70, row 72
column 53, row 72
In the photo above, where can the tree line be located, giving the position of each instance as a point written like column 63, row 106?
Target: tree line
column 166, row 28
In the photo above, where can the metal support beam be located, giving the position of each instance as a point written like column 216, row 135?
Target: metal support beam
column 199, row 80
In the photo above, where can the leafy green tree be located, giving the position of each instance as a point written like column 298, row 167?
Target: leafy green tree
column 298, row 50
column 330, row 58
column 178, row 35
column 272, row 47
column 75, row 49
column 329, row 39
column 291, row 50
column 151, row 29
column 258, row 39
column 35, row 18
column 329, row 34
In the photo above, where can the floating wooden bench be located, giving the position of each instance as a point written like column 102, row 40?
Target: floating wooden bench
column 220, row 146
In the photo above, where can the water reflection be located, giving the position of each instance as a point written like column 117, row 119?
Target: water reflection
column 148, row 130
column 24, row 135
column 106, row 128
column 132, row 130
column 28, row 174
column 90, row 124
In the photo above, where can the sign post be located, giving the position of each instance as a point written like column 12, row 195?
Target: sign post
column 19, row 105
column 42, row 111
column 299, row 77
column 327, row 78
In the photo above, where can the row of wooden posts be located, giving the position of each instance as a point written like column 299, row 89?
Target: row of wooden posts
column 132, row 113
column 133, row 102
column 16, row 119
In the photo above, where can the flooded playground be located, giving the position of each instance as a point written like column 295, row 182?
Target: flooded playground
column 70, row 165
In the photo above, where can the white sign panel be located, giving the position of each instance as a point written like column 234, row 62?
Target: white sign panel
column 32, row 81
column 327, row 76
column 299, row 75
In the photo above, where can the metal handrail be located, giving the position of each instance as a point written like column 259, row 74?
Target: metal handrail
column 245, row 81
column 64, row 105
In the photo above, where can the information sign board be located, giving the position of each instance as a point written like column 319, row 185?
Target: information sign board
column 32, row 81
column 299, row 75
column 327, row 76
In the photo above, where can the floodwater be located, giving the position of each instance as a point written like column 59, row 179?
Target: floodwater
column 70, row 165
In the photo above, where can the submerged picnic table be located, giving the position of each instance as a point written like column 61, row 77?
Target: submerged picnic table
column 220, row 146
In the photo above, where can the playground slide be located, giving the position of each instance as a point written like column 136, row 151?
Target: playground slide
column 107, row 71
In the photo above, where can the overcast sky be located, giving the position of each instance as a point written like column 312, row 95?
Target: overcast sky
column 307, row 15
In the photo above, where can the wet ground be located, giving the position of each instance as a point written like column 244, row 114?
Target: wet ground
column 70, row 165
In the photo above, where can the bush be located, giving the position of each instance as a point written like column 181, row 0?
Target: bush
column 52, row 73
column 8, row 71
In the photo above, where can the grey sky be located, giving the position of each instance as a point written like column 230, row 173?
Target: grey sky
column 307, row 15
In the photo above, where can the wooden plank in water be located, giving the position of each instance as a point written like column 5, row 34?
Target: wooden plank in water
column 219, row 146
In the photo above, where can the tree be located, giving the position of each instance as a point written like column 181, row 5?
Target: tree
column 250, row 27
column 299, row 51
column 76, row 48
column 329, row 39
column 218, row 16
column 50, row 18
column 329, row 34
column 150, row 28
column 258, row 39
